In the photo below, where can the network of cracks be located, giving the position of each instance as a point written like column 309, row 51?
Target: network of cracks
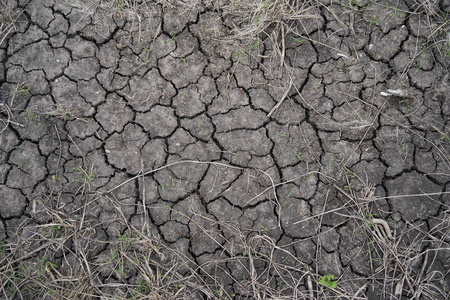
column 258, row 167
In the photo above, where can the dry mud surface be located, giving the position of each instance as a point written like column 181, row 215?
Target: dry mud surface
column 121, row 130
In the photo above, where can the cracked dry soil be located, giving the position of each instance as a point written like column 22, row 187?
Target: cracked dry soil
column 155, row 128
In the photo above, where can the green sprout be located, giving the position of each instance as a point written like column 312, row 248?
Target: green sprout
column 445, row 137
column 299, row 40
column 256, row 44
column 349, row 173
column 265, row 228
column 328, row 281
column 351, row 4
column 21, row 89
column 88, row 175
column 298, row 156
column 172, row 39
column 373, row 21
column 145, row 54
column 289, row 195
column 330, row 162
column 28, row 116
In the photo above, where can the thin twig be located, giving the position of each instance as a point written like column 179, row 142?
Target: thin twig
column 281, row 100
column 168, row 166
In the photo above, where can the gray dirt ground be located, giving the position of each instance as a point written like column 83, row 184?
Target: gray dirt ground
column 94, row 98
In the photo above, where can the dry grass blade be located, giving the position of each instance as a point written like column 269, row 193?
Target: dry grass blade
column 266, row 20
column 257, row 16
column 7, row 19
column 281, row 100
